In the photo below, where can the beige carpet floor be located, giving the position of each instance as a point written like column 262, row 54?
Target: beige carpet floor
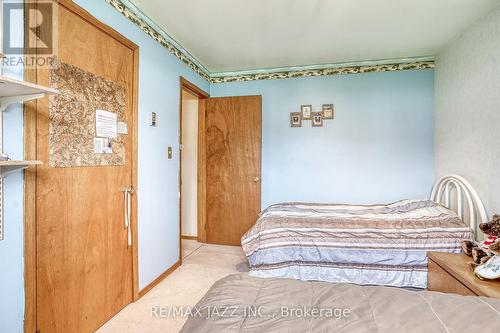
column 203, row 264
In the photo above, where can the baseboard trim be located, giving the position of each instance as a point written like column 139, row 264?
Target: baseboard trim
column 159, row 279
column 190, row 237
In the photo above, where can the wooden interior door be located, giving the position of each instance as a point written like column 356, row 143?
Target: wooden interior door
column 233, row 167
column 84, row 272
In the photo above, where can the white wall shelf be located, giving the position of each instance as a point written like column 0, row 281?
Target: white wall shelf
column 15, row 91
column 7, row 167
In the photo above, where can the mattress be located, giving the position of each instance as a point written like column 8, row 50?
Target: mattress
column 364, row 244
column 241, row 303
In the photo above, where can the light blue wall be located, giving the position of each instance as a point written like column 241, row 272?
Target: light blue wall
column 378, row 149
column 158, row 209
column 11, row 248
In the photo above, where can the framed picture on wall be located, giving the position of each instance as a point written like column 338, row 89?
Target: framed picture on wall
column 295, row 119
column 317, row 119
column 328, row 111
column 306, row 111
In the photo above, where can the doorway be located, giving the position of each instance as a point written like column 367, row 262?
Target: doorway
column 189, row 180
column 189, row 165
column 227, row 166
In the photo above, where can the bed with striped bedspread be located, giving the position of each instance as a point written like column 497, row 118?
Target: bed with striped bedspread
column 362, row 244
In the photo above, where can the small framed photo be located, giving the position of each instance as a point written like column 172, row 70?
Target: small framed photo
column 306, row 111
column 295, row 119
column 328, row 111
column 317, row 119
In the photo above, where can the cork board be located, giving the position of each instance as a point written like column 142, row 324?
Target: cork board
column 72, row 117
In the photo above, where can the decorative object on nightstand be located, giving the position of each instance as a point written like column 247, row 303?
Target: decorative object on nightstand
column 482, row 252
column 450, row 273
column 490, row 270
column 295, row 119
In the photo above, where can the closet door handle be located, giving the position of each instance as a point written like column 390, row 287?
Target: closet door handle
column 127, row 193
column 256, row 179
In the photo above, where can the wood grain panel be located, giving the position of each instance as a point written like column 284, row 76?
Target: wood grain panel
column 135, row 166
column 457, row 266
column 202, row 172
column 442, row 281
column 29, row 124
column 84, row 272
column 233, row 167
column 29, row 211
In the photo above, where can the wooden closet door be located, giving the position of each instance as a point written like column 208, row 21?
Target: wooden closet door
column 84, row 263
column 233, row 167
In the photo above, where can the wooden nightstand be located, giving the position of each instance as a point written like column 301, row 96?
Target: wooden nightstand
column 450, row 273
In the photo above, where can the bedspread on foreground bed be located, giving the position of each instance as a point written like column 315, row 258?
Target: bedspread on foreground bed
column 377, row 244
column 241, row 303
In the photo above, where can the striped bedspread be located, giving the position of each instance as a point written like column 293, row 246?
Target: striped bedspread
column 375, row 244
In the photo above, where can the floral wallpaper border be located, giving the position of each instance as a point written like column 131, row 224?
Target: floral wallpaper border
column 324, row 71
column 132, row 13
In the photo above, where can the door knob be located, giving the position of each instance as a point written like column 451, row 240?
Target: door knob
column 256, row 180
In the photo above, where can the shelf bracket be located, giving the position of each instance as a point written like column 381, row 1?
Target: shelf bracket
column 4, row 174
column 6, row 101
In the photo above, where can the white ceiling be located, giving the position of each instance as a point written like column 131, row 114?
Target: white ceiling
column 234, row 35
